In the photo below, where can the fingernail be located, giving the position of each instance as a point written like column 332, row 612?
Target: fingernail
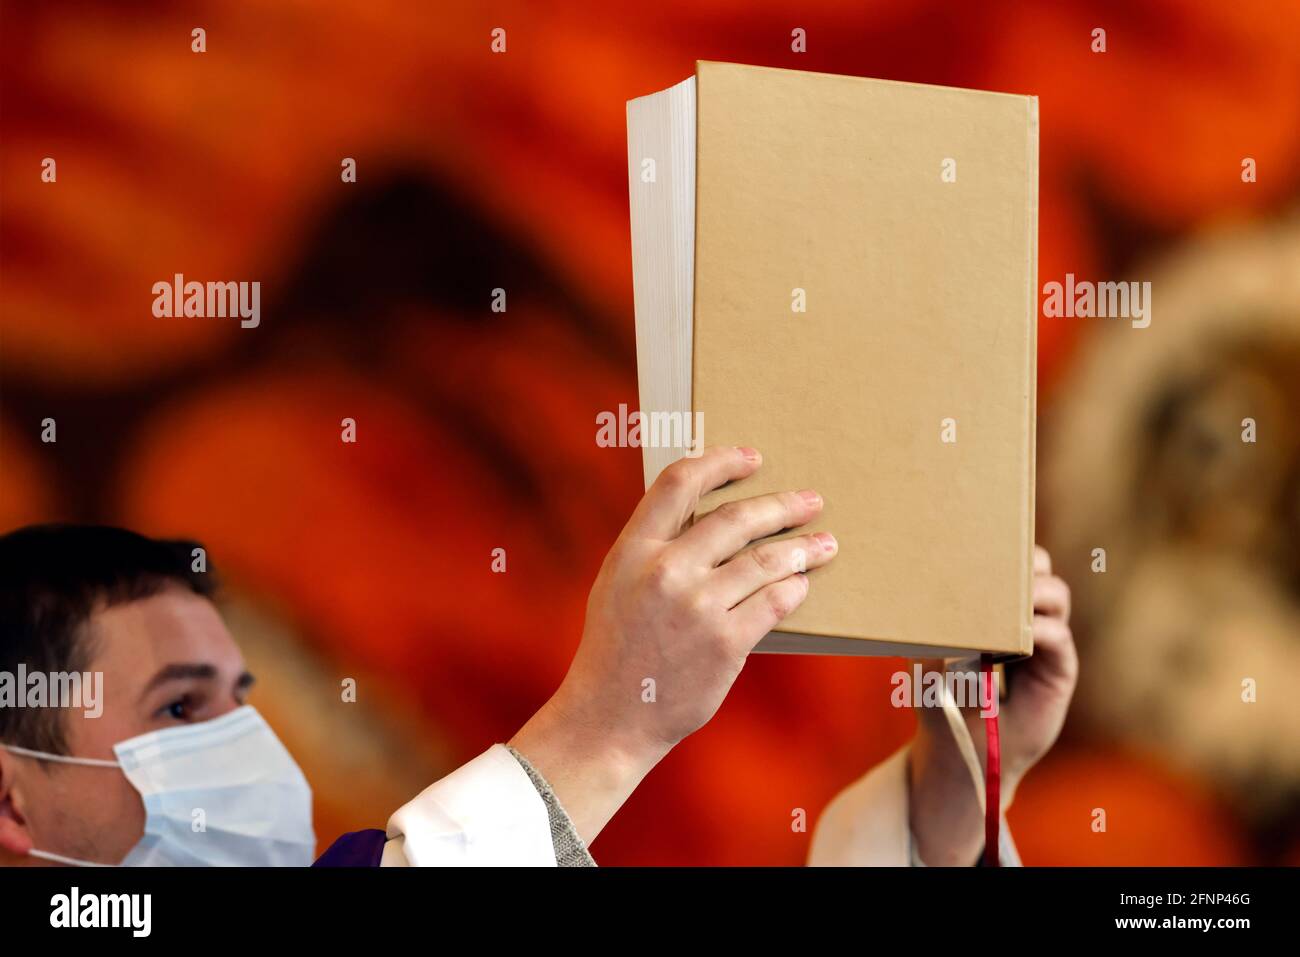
column 812, row 498
column 827, row 542
column 750, row 455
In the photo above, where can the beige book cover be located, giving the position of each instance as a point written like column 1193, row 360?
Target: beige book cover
column 864, row 312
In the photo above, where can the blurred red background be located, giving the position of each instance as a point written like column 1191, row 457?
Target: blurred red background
column 475, row 429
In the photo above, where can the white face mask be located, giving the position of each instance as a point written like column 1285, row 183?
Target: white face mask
column 223, row 792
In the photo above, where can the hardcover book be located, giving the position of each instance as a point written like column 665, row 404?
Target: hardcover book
column 841, row 273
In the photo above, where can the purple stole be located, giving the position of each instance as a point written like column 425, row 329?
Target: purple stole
column 355, row 849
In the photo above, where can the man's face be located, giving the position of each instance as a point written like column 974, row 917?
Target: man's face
column 166, row 660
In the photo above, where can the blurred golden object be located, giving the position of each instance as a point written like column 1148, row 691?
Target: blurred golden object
column 1149, row 457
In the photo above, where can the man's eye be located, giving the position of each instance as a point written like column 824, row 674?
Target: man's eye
column 178, row 709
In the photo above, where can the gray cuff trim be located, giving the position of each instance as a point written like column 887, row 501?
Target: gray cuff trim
column 569, row 849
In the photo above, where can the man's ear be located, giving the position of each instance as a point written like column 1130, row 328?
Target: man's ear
column 15, row 837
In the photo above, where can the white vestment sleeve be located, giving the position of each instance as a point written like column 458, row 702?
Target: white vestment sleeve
column 868, row 823
column 486, row 813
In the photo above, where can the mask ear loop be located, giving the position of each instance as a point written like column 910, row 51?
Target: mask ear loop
column 60, row 758
column 70, row 861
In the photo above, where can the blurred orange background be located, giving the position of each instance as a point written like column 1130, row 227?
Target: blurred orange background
column 475, row 429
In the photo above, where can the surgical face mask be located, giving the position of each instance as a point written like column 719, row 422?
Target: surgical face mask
column 223, row 792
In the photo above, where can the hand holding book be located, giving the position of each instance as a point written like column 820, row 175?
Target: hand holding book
column 675, row 611
column 947, row 824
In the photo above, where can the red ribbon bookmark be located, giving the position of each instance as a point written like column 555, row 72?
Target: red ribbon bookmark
column 993, row 765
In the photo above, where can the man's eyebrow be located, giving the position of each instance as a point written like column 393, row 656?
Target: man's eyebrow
column 178, row 671
column 193, row 671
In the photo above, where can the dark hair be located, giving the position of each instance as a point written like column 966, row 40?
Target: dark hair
column 52, row 577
